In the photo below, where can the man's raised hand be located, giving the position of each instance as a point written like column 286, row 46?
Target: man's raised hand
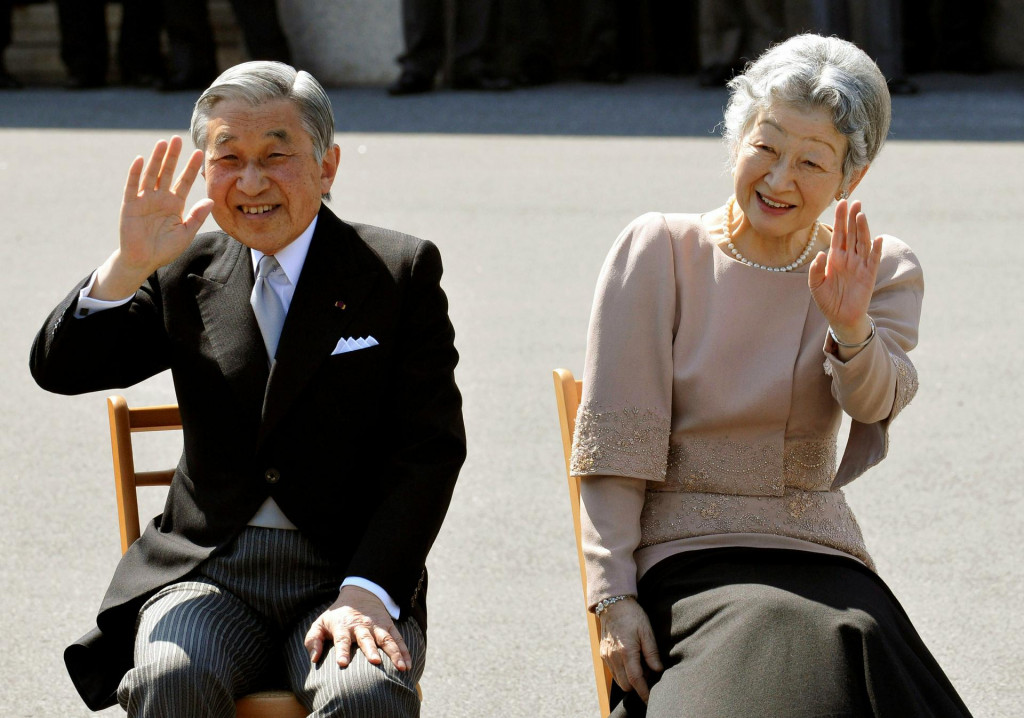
column 154, row 229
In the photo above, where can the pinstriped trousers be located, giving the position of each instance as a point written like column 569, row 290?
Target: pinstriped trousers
column 204, row 641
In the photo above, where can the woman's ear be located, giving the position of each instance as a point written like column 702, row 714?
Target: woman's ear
column 852, row 184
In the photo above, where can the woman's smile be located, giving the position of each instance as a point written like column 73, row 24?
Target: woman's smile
column 772, row 206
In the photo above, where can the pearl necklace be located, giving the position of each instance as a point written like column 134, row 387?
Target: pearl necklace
column 736, row 253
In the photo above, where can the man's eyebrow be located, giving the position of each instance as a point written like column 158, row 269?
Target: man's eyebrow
column 226, row 137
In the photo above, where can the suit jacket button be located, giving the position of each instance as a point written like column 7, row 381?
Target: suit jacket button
column 272, row 476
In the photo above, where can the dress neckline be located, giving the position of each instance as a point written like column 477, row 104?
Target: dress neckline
column 707, row 236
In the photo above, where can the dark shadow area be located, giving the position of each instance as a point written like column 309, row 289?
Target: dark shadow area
column 950, row 107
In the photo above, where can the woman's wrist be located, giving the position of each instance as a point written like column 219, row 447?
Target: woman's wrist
column 603, row 605
column 848, row 338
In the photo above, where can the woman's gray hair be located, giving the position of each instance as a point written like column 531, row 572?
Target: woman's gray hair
column 264, row 81
column 811, row 71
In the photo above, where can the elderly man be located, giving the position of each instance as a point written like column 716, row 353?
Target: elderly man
column 313, row 362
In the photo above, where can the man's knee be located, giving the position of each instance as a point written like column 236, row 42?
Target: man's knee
column 196, row 648
column 377, row 696
column 363, row 689
column 170, row 682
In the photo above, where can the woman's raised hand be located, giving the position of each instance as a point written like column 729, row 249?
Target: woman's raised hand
column 843, row 280
column 627, row 642
column 154, row 229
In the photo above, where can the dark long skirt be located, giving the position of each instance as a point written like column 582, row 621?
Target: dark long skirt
column 792, row 634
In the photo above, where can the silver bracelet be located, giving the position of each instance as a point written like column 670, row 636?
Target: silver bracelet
column 858, row 345
column 603, row 604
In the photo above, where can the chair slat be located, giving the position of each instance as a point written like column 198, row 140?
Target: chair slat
column 155, row 418
column 154, row 478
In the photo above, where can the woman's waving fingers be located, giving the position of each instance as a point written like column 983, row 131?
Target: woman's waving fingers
column 838, row 242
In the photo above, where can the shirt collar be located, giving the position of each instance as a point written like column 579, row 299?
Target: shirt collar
column 292, row 256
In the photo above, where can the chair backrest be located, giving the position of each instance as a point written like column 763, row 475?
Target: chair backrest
column 124, row 422
column 567, row 395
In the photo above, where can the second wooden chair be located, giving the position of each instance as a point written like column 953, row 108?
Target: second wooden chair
column 567, row 395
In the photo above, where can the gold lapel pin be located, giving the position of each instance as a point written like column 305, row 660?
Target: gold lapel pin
column 339, row 304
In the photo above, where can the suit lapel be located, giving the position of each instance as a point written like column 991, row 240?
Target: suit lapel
column 334, row 283
column 236, row 343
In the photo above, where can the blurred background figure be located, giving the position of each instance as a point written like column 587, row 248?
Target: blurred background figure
column 530, row 21
column 473, row 51
column 85, row 52
column 733, row 32
column 192, row 64
column 7, row 82
column 599, row 27
column 876, row 26
column 947, row 35
column 588, row 45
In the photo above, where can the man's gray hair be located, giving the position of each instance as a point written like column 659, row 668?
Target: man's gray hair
column 811, row 71
column 264, row 81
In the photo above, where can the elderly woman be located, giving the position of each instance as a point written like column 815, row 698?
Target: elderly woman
column 727, row 570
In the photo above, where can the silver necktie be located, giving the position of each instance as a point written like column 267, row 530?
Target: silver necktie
column 267, row 305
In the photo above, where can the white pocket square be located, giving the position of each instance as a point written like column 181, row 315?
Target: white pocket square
column 354, row 344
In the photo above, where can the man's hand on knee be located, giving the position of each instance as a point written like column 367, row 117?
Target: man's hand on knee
column 357, row 615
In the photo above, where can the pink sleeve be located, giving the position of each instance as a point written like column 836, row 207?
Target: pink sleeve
column 877, row 384
column 610, row 509
column 624, row 419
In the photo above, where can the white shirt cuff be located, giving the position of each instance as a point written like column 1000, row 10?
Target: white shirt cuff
column 88, row 305
column 376, row 591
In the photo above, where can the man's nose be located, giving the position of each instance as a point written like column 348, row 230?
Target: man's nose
column 251, row 179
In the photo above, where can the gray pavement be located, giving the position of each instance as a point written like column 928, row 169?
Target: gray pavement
column 524, row 193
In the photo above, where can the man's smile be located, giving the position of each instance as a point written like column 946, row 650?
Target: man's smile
column 257, row 208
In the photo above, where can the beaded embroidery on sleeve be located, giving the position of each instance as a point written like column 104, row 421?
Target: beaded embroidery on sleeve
column 627, row 442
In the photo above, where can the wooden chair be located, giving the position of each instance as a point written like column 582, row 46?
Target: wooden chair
column 567, row 395
column 123, row 423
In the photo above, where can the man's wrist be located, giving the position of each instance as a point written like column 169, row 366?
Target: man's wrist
column 88, row 304
column 378, row 591
column 113, row 281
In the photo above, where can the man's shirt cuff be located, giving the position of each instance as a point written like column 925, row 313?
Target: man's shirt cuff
column 88, row 305
column 376, row 591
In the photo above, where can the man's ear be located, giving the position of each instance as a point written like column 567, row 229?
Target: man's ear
column 329, row 168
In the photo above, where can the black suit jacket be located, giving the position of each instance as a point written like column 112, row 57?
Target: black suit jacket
column 360, row 450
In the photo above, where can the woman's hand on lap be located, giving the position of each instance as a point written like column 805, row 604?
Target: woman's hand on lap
column 627, row 642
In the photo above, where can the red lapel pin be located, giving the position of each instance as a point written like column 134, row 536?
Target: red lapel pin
column 339, row 304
